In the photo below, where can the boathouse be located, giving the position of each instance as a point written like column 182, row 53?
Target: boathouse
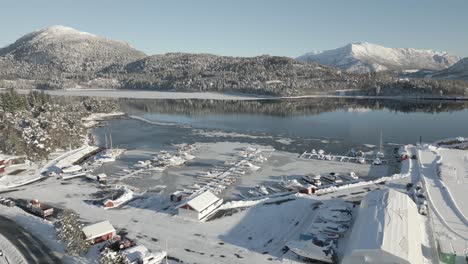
column 200, row 206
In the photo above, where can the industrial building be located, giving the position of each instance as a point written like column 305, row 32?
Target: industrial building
column 386, row 230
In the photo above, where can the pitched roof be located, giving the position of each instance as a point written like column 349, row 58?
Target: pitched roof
column 98, row 229
column 202, row 201
column 387, row 221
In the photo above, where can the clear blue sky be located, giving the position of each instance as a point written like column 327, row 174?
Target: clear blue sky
column 249, row 27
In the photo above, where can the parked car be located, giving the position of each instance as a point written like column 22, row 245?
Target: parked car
column 121, row 244
column 7, row 202
column 10, row 203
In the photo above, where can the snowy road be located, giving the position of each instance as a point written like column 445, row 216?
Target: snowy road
column 439, row 196
column 448, row 220
column 32, row 249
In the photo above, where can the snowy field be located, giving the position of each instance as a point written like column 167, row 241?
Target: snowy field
column 139, row 94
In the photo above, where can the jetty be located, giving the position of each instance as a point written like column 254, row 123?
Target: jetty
column 320, row 155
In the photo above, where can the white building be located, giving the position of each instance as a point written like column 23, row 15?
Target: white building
column 141, row 255
column 386, row 230
column 200, row 206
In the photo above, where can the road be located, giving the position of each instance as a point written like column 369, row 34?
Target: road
column 440, row 201
column 33, row 250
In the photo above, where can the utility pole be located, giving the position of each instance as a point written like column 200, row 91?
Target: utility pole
column 166, row 252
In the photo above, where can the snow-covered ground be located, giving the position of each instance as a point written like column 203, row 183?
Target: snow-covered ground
column 43, row 230
column 30, row 174
column 93, row 119
column 446, row 194
column 151, row 94
column 223, row 240
column 140, row 94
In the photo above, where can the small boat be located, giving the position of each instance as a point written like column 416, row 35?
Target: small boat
column 377, row 161
column 262, row 189
column 143, row 164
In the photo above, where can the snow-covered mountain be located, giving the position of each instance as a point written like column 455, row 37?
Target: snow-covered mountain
column 364, row 57
column 458, row 71
column 69, row 50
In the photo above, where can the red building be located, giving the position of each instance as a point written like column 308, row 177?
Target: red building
column 99, row 232
column 2, row 166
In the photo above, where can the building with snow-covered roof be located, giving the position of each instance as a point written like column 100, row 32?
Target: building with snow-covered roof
column 386, row 230
column 99, row 232
column 200, row 206
column 141, row 255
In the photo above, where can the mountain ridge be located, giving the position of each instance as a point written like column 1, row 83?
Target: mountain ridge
column 60, row 57
column 365, row 57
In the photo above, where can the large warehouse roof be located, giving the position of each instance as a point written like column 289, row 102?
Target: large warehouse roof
column 386, row 230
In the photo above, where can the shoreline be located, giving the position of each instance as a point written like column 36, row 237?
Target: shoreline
column 88, row 122
column 170, row 95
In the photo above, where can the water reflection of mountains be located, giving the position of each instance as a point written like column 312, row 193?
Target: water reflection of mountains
column 287, row 107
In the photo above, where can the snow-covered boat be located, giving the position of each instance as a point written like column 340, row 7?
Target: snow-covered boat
column 377, row 161
column 109, row 155
column 143, row 164
column 262, row 189
column 250, row 166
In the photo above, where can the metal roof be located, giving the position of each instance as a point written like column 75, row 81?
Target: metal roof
column 98, row 229
column 202, row 201
column 388, row 224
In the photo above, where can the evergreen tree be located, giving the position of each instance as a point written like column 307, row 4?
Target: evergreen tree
column 110, row 257
column 69, row 232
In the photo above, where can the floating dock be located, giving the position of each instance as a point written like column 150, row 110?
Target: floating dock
column 329, row 157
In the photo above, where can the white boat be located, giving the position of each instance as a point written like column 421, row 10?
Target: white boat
column 250, row 166
column 158, row 169
column 176, row 161
column 109, row 155
column 143, row 164
column 379, row 154
column 361, row 160
column 262, row 189
column 377, row 161
column 253, row 193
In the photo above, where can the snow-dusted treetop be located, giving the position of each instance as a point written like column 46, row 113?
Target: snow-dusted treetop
column 363, row 57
